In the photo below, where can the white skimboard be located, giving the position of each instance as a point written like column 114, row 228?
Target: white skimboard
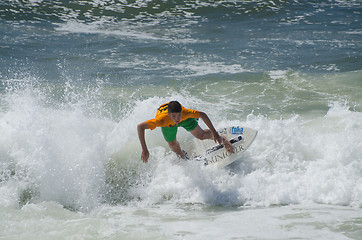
column 215, row 155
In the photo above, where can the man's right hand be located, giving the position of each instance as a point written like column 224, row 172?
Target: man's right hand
column 141, row 135
column 145, row 155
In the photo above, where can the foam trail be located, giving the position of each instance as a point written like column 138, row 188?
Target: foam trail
column 68, row 154
column 54, row 154
column 292, row 161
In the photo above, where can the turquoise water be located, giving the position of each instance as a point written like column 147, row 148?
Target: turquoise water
column 76, row 77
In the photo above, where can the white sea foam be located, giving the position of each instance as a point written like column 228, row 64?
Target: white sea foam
column 200, row 68
column 291, row 162
column 48, row 219
column 65, row 154
column 149, row 29
column 70, row 163
column 70, row 155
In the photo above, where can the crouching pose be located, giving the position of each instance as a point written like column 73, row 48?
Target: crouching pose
column 172, row 115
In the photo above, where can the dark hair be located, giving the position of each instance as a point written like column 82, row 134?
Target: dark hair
column 174, row 107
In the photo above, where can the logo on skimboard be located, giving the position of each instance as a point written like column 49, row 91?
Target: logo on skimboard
column 237, row 130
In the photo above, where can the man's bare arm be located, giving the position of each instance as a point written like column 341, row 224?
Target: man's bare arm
column 141, row 135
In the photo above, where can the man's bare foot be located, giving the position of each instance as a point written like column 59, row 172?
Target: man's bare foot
column 186, row 156
column 227, row 144
column 183, row 155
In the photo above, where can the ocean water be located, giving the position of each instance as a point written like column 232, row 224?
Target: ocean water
column 76, row 77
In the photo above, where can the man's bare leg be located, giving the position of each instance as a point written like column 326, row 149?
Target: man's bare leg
column 203, row 134
column 175, row 146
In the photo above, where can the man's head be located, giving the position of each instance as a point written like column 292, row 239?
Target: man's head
column 174, row 111
column 174, row 107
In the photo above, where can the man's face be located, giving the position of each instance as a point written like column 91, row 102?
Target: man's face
column 175, row 117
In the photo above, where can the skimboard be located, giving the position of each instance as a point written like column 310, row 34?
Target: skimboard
column 216, row 155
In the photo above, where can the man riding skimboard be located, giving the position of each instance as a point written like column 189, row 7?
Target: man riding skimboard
column 171, row 116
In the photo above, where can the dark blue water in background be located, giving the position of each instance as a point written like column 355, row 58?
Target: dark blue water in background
column 151, row 42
